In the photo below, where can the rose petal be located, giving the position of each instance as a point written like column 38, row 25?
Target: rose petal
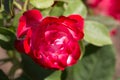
column 19, row 46
column 79, row 19
column 48, row 21
column 27, row 42
column 29, row 19
column 55, row 30
column 33, row 17
column 21, row 30
column 74, row 53
column 74, row 23
column 62, row 59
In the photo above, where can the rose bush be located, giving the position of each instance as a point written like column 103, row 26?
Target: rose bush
column 106, row 7
column 51, row 42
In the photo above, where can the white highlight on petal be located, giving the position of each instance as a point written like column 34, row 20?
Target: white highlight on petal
column 73, row 34
column 69, row 59
column 60, row 41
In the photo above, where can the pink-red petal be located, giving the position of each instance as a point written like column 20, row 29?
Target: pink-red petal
column 75, row 24
column 21, row 30
column 27, row 42
column 29, row 19
column 19, row 46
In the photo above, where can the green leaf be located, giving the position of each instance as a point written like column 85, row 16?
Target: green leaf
column 45, row 12
column 91, row 49
column 1, row 20
column 2, row 37
column 3, row 76
column 33, row 70
column 118, row 79
column 7, row 38
column 82, row 48
column 54, row 76
column 62, row 0
column 57, row 10
column 108, row 21
column 42, row 3
column 97, row 66
column 8, row 6
column 16, row 19
column 1, row 6
column 96, row 33
column 75, row 7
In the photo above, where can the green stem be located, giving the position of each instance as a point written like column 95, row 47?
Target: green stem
column 62, row 1
column 0, row 4
column 17, row 5
column 25, row 7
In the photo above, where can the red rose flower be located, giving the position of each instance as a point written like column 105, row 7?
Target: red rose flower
column 51, row 42
column 106, row 7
